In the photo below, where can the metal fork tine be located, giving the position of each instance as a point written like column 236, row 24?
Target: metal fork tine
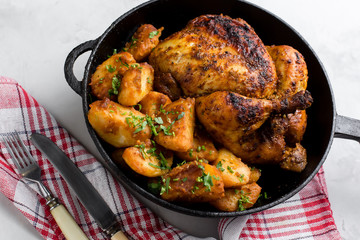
column 15, row 149
column 7, row 142
column 24, row 151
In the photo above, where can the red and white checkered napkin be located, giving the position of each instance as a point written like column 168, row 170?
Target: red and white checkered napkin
column 307, row 215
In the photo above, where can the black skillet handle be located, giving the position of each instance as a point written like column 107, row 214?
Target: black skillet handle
column 348, row 128
column 69, row 64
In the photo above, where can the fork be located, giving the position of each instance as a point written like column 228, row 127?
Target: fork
column 30, row 170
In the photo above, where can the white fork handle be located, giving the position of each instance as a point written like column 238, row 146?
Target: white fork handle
column 67, row 224
column 119, row 236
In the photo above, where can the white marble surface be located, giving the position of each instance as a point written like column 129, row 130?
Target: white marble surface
column 36, row 36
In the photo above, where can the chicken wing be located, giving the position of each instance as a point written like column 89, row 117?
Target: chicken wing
column 291, row 70
column 228, row 116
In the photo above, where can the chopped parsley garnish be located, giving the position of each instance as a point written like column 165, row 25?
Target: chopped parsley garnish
column 180, row 116
column 115, row 84
column 141, row 127
column 158, row 120
column 136, row 65
column 139, row 107
column 241, row 178
column 163, row 162
column 153, row 34
column 219, row 166
column 206, row 179
column 265, row 195
column 133, row 42
column 154, row 187
column 230, row 169
column 242, row 200
column 151, row 125
column 142, row 150
column 208, row 182
column 123, row 63
column 167, row 129
column 139, row 123
column 191, row 152
column 161, row 109
column 114, row 52
column 166, row 187
column 182, row 163
column 110, row 68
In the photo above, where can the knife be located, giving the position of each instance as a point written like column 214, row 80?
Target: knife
column 85, row 191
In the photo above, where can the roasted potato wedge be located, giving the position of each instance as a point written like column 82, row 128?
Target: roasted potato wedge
column 254, row 175
column 238, row 199
column 152, row 102
column 136, row 83
column 148, row 160
column 202, row 148
column 143, row 41
column 106, row 79
column 118, row 125
column 177, row 130
column 234, row 172
column 193, row 182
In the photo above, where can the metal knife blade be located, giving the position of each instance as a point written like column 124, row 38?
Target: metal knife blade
column 84, row 190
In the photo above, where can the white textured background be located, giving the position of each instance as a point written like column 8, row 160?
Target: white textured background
column 37, row 35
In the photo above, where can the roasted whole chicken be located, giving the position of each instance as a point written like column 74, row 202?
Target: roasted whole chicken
column 197, row 112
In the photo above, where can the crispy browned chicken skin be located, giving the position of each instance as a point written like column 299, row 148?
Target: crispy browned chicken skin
column 229, row 116
column 215, row 53
column 291, row 70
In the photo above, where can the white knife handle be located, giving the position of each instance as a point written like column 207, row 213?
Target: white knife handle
column 67, row 224
column 119, row 236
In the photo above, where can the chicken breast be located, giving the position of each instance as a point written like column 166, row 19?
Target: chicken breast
column 216, row 52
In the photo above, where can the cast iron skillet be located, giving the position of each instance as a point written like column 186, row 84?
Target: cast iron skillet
column 323, row 122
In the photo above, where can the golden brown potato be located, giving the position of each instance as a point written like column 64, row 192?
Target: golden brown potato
column 254, row 175
column 143, row 41
column 118, row 125
column 233, row 172
column 203, row 148
column 238, row 199
column 193, row 182
column 148, row 160
column 152, row 102
column 136, row 83
column 177, row 130
column 106, row 79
